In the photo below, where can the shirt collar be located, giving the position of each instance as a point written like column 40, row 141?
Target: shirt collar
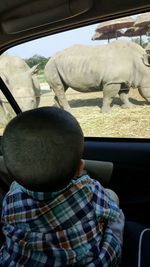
column 44, row 195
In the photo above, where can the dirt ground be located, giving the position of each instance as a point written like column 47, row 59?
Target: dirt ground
column 86, row 107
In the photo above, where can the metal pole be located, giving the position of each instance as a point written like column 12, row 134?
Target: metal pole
column 140, row 40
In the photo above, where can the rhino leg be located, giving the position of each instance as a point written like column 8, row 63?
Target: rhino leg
column 123, row 93
column 56, row 101
column 57, row 85
column 109, row 92
column 5, row 115
column 37, row 89
column 3, row 120
column 60, row 98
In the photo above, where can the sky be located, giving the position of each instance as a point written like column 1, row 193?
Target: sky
column 49, row 45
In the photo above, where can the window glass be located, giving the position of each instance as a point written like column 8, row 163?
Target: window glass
column 106, row 80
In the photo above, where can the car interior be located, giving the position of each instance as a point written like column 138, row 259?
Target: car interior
column 121, row 162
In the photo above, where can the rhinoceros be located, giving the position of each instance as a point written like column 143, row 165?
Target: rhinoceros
column 22, row 83
column 113, row 68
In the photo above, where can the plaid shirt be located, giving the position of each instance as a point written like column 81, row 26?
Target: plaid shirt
column 64, row 228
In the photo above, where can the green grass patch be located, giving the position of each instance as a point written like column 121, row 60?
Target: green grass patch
column 41, row 77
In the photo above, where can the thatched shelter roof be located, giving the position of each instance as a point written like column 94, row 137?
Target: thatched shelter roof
column 115, row 24
column 142, row 20
column 135, row 31
column 107, row 35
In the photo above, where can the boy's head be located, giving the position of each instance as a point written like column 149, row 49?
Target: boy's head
column 42, row 148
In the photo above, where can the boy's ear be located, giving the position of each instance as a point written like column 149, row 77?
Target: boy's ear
column 80, row 167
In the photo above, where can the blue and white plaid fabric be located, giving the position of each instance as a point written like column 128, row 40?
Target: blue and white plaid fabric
column 65, row 228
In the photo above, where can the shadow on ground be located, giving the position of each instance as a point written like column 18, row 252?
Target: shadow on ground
column 76, row 103
column 138, row 102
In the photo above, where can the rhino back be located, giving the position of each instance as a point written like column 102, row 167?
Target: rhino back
column 127, row 43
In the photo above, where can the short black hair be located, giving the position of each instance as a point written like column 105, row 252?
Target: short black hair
column 42, row 148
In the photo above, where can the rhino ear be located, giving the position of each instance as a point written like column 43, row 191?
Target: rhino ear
column 146, row 59
column 34, row 69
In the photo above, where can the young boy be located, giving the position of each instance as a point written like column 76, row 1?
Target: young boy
column 53, row 215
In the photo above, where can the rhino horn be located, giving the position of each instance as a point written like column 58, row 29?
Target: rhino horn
column 34, row 69
column 146, row 59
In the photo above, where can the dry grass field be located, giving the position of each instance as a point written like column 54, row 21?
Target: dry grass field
column 86, row 107
column 133, row 122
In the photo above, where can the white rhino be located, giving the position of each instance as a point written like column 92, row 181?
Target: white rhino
column 113, row 68
column 22, row 83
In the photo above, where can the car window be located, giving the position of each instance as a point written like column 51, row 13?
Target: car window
column 100, row 73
